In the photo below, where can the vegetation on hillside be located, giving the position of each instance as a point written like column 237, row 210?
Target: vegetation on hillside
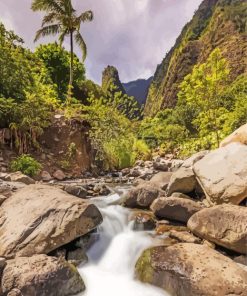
column 208, row 109
column 216, row 23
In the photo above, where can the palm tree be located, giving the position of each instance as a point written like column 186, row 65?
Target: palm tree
column 62, row 19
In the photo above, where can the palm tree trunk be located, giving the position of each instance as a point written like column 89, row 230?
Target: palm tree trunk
column 71, row 59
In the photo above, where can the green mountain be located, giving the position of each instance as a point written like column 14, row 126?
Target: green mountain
column 110, row 77
column 216, row 23
column 138, row 89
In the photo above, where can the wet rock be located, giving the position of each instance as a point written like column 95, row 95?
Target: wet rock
column 45, row 176
column 102, row 189
column 225, row 225
column 161, row 180
column 19, row 177
column 45, row 218
column 40, row 275
column 184, row 237
column 59, row 175
column 191, row 269
column 160, row 165
column 125, row 171
column 77, row 257
column 76, row 190
column 143, row 220
column 223, row 174
column 141, row 196
column 162, row 228
column 173, row 208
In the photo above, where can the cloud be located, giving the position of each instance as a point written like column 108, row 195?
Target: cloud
column 133, row 35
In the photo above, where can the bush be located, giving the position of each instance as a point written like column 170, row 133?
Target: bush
column 26, row 164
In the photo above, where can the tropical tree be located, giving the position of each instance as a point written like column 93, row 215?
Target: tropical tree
column 61, row 18
column 203, row 89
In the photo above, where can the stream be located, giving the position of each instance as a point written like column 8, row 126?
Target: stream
column 112, row 258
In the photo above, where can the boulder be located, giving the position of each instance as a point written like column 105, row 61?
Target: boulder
column 161, row 180
column 8, row 188
column 143, row 220
column 40, row 218
column 76, row 190
column 19, row 177
column 184, row 237
column 174, row 208
column 141, row 196
column 240, row 136
column 59, row 175
column 222, row 174
column 45, row 176
column 225, row 225
column 160, row 165
column 191, row 269
column 40, row 275
column 183, row 180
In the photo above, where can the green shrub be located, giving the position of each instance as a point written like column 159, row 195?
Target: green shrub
column 26, row 164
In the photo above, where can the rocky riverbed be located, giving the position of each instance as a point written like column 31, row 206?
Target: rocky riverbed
column 178, row 225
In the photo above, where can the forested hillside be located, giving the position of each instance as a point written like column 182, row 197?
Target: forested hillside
column 216, row 24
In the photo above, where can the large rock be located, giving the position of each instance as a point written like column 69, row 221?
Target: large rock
column 184, row 180
column 223, row 174
column 193, row 270
column 225, row 225
column 40, row 218
column 142, row 196
column 8, row 188
column 175, row 208
column 59, row 175
column 40, row 275
column 19, row 177
column 240, row 136
column 161, row 180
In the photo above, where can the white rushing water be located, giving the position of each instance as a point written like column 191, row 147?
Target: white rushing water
column 110, row 271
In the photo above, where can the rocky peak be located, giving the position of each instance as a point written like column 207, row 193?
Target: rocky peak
column 110, row 77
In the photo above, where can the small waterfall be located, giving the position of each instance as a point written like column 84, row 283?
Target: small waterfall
column 112, row 258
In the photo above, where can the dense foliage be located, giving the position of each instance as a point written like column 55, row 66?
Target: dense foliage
column 26, row 164
column 208, row 109
column 57, row 62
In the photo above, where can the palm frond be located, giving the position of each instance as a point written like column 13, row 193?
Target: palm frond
column 86, row 16
column 48, row 30
column 80, row 41
column 62, row 36
column 47, row 5
column 49, row 18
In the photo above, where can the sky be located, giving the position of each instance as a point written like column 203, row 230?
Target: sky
column 132, row 35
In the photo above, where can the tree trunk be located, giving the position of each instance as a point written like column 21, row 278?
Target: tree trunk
column 71, row 59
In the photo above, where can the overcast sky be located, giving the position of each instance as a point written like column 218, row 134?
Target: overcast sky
column 132, row 35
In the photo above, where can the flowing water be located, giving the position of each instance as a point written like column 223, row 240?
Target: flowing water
column 110, row 271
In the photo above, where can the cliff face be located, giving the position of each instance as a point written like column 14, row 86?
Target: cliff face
column 110, row 76
column 216, row 23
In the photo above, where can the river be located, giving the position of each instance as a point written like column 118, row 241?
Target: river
column 110, row 271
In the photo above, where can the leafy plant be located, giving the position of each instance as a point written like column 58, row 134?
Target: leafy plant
column 62, row 19
column 26, row 164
